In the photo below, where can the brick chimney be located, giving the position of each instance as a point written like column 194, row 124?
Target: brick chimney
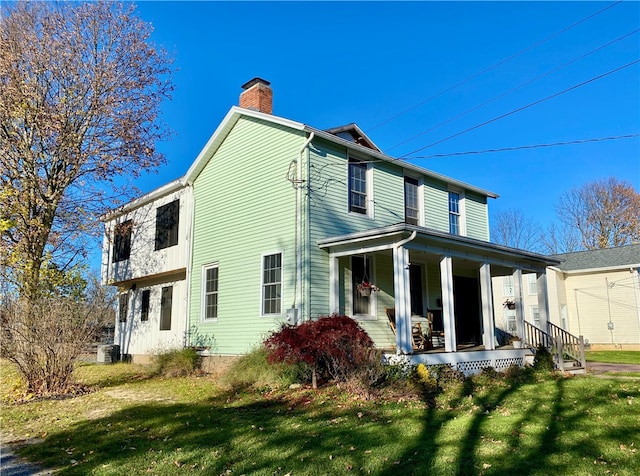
column 257, row 95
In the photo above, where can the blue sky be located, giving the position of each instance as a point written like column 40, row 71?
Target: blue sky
column 333, row 63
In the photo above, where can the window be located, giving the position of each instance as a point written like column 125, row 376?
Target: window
column 272, row 284
column 411, row 203
column 144, row 309
column 122, row 241
column 533, row 283
column 357, row 187
column 508, row 288
column 165, row 308
column 512, row 326
column 167, row 218
column 535, row 316
column 210, row 295
column 123, row 307
column 454, row 213
column 360, row 271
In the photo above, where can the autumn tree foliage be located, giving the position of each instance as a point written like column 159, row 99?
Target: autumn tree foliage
column 335, row 346
column 80, row 91
column 605, row 213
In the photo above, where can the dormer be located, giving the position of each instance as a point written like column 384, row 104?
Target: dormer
column 352, row 133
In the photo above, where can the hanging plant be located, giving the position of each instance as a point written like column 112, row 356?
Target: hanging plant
column 509, row 304
column 365, row 288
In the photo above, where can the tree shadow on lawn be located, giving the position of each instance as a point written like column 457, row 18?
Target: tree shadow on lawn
column 547, row 434
column 277, row 436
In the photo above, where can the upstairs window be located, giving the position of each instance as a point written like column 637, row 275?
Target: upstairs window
column 167, row 218
column 508, row 286
column 122, row 241
column 144, row 308
column 454, row 213
column 357, row 187
column 411, row 204
column 272, row 284
column 533, row 283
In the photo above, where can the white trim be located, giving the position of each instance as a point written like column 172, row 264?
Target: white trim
column 369, row 198
column 282, row 310
column 203, row 292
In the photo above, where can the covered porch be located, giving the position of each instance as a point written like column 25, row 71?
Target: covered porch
column 431, row 292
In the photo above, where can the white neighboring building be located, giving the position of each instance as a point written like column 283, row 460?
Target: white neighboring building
column 145, row 253
column 595, row 294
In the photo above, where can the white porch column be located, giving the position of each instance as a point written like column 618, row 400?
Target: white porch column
column 543, row 299
column 487, row 307
column 448, row 313
column 517, row 291
column 402, row 299
column 334, row 285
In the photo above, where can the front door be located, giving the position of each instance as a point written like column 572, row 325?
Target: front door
column 466, row 293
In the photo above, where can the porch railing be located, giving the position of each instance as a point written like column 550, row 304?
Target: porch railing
column 558, row 341
column 567, row 345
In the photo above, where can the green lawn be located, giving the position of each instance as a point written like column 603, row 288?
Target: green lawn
column 614, row 356
column 136, row 424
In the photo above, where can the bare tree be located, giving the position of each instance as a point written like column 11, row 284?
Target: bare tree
column 560, row 239
column 45, row 337
column 605, row 213
column 80, row 91
column 512, row 228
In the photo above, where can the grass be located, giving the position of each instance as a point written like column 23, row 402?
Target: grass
column 614, row 356
column 135, row 423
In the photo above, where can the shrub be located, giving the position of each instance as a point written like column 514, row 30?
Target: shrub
column 543, row 360
column 333, row 347
column 252, row 371
column 424, row 380
column 178, row 363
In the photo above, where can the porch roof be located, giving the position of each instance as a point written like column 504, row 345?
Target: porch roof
column 434, row 242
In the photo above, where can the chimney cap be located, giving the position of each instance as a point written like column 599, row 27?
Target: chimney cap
column 254, row 81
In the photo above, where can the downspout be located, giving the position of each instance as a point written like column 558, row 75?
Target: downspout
column 299, row 292
column 189, row 244
column 406, row 240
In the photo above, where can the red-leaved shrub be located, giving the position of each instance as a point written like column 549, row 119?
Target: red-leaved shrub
column 333, row 346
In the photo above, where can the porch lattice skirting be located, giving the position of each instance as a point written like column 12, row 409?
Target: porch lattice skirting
column 467, row 362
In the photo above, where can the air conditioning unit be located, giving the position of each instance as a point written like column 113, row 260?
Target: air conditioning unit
column 104, row 354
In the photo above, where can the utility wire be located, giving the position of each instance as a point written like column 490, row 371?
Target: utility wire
column 513, row 89
column 494, row 66
column 523, row 107
column 536, row 146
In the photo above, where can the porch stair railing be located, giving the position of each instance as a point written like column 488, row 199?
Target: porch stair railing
column 567, row 349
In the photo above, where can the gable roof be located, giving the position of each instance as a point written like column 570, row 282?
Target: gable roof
column 356, row 140
column 607, row 258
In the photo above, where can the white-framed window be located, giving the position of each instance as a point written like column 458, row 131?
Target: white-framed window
column 272, row 284
column 564, row 317
column 508, row 287
column 535, row 316
column 510, row 319
column 412, row 208
column 360, row 185
column 210, row 275
column 532, row 283
column 362, row 305
column 454, row 213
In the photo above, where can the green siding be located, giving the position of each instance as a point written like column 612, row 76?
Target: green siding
column 244, row 208
column 476, row 211
column 436, row 205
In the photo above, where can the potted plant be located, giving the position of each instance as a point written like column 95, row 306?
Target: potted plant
column 365, row 288
column 509, row 304
column 516, row 342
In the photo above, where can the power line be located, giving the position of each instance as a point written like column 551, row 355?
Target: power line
column 524, row 107
column 513, row 89
column 536, row 146
column 494, row 66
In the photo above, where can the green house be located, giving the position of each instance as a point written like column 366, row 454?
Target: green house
column 279, row 222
